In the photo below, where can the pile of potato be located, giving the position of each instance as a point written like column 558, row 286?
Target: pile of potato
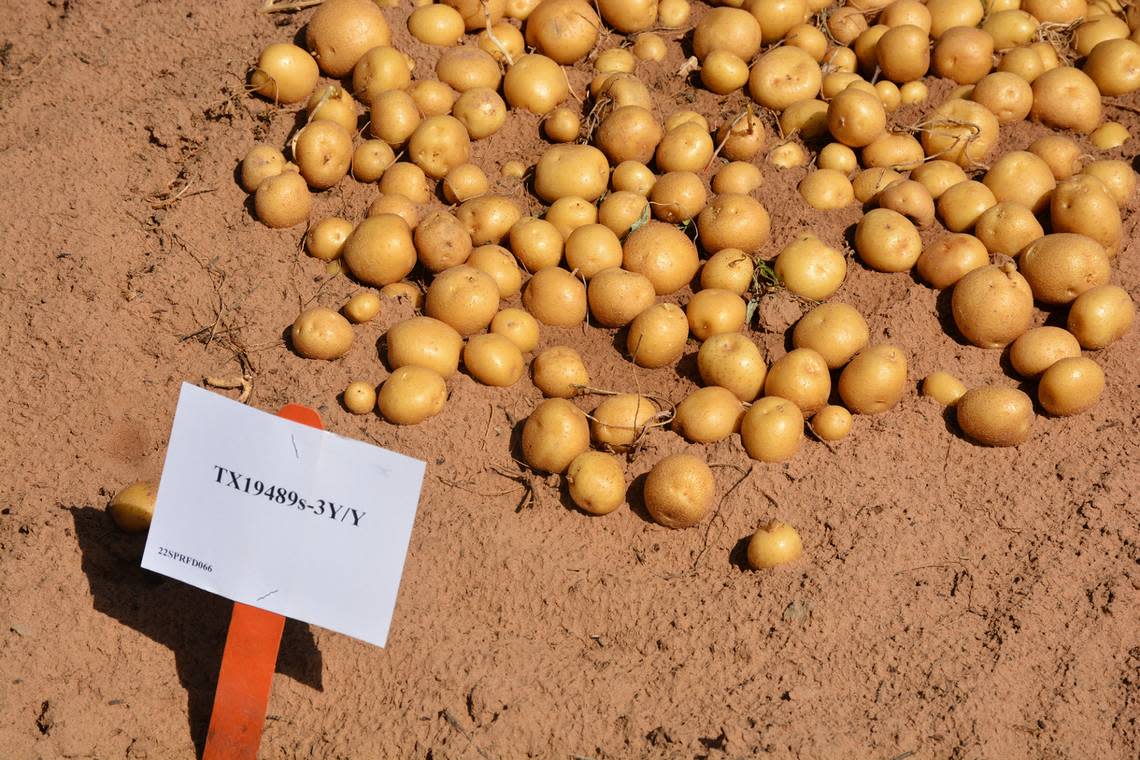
column 642, row 205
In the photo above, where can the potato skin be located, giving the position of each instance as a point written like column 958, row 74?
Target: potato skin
column 554, row 434
column 133, row 507
column 992, row 305
column 1071, row 386
column 320, row 333
column 410, row 395
column 596, row 482
column 679, row 491
column 995, row 416
column 875, row 380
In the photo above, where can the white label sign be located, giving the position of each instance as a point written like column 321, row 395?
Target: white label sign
column 283, row 516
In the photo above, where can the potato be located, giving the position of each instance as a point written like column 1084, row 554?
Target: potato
column 555, row 297
column 961, row 205
column 596, row 482
column 622, row 90
column 886, row 241
column 340, row 32
column 995, row 416
column 436, row 25
column 649, row 47
column 1100, row 316
column 904, row 53
column 733, row 221
column 1038, row 349
column 559, row 372
column 894, row 151
column 732, row 361
column 680, row 488
column 1008, row 95
column 1061, row 266
column 259, row 164
column 396, row 205
column 320, row 333
column 708, row 415
column 441, row 242
column 1082, row 205
column 831, row 423
column 619, row 211
column 773, row 545
column 478, row 13
column 673, row 14
column 808, row 37
column 685, row 148
column 565, row 30
column 498, row 263
column 362, row 307
column 410, row 395
column 614, row 60
column 800, row 376
column 370, row 159
column 890, row 95
column 1094, row 31
column 992, row 305
column 325, row 239
column 807, row 117
column 404, row 291
column 844, row 25
column 855, row 117
column 616, row 296
column 947, row 14
column 963, row 54
column 1062, row 155
column 782, row 76
column 431, row 97
column 380, row 250
column 657, row 335
column 493, row 359
column 788, row 155
column 728, row 269
column 1010, row 28
column 381, row 68
column 1071, row 386
column 439, row 144
column 503, row 42
column 284, row 74
column 619, row 421
column 463, row 297
column 827, row 189
column 133, row 507
column 561, row 125
column 1111, row 134
column 772, row 429
column 677, row 197
column 909, row 198
column 730, row 29
column 481, row 112
column 468, row 68
column 739, row 139
column 1066, row 98
column 282, row 200
column 1114, row 67
column 1007, row 228
column 938, row 176
column 943, row 388
column 424, row 342
column 488, row 218
column 553, row 435
column 809, row 268
column 408, row 180
column 868, row 183
column 569, row 213
column 960, row 131
column 874, row 380
column 723, row 72
column 949, row 257
column 464, row 182
column 1118, row 178
column 1021, row 177
column 712, row 311
column 359, row 398
column 632, row 177
column 663, row 254
column 571, row 170
column 835, row 331
column 913, row 93
column 517, row 326
column 535, row 83
column 1056, row 11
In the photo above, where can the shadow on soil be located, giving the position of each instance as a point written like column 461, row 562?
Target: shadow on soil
column 190, row 622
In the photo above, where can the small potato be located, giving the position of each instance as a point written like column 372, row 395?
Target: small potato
column 325, row 239
column 723, row 72
column 868, row 183
column 282, row 200
column 688, row 147
column 555, row 297
column 498, row 263
column 1023, row 62
column 913, row 93
column 441, row 242
column 938, row 176
column 394, row 117
column 1007, row 228
column 992, row 305
column 580, row 171
column 948, row 258
column 284, row 74
column 903, row 53
column 1061, row 153
column 1100, row 316
column 259, row 164
column 772, row 429
column 733, row 221
column 788, row 155
column 561, row 125
column 1040, row 348
column 947, row 14
column 623, row 90
column 408, row 180
column 1008, row 95
column 838, row 157
column 464, row 298
column 1066, row 98
column 1061, row 266
column 493, row 359
column 464, row 182
column 405, row 291
column 728, row 269
column 432, row 97
column 1021, row 177
column 436, row 25
column 800, row 376
column 381, row 68
column 963, row 54
column 488, row 218
column 565, row 30
column 1118, row 178
column 340, row 32
column 836, row 331
column 1071, row 386
column 673, row 14
column 773, row 545
column 677, row 197
column 1114, row 67
column 961, row 205
column 711, row 312
column 632, row 177
column 809, row 268
column 619, row 211
column 708, row 415
column 503, row 42
column 995, row 416
column 874, row 380
column 827, row 189
column 380, row 250
column 886, row 241
column 1010, row 28
column 478, row 13
column 536, row 243
column 559, row 372
column 467, row 68
column 855, row 117
column 808, row 118
column 133, row 507
column 844, row 25
column 535, row 83
column 554, row 434
column 438, row 145
column 894, row 151
column 320, row 333
column 832, row 423
column 424, row 342
column 662, row 253
column 411, row 395
column 362, row 307
column 657, row 336
column 397, row 205
column 909, row 198
column 730, row 29
column 732, row 361
column 961, row 131
column 596, row 482
column 481, row 112
column 518, row 327
column 370, row 159
column 808, row 37
column 943, row 388
column 614, row 60
column 739, row 140
column 649, row 47
column 619, row 421
column 782, row 76
column 1083, row 205
column 616, row 296
column 359, row 398
column 680, row 489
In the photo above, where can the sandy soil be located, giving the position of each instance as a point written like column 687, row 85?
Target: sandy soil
column 953, row 601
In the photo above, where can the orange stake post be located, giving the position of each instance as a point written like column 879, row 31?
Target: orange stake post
column 248, row 662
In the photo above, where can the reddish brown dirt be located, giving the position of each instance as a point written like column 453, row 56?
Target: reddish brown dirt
column 953, row 601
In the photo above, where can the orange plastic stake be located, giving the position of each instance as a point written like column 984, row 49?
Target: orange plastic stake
column 248, row 661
